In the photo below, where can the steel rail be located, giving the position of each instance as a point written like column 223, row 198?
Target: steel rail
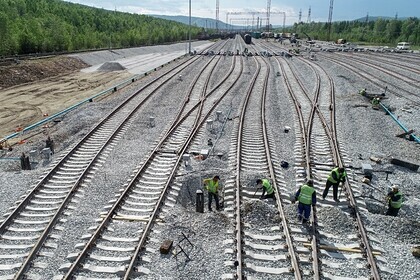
column 194, row 131
column 87, row 100
column 23, row 203
column 338, row 159
column 306, row 144
column 26, row 200
column 408, row 80
column 351, row 68
column 384, row 59
column 280, row 208
column 339, row 162
column 238, row 228
column 83, row 254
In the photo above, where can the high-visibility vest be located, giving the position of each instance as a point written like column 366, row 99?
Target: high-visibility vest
column 396, row 204
column 268, row 188
column 305, row 195
column 335, row 170
column 212, row 186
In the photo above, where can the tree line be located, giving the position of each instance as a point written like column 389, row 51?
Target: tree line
column 44, row 26
column 384, row 31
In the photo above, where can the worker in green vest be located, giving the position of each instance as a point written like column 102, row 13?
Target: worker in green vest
column 338, row 175
column 375, row 101
column 395, row 199
column 306, row 196
column 212, row 187
column 266, row 187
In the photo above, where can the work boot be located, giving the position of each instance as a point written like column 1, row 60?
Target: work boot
column 210, row 210
column 336, row 200
column 300, row 218
column 305, row 221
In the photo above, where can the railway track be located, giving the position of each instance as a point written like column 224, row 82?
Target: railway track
column 122, row 246
column 319, row 156
column 391, row 60
column 262, row 252
column 28, row 226
column 139, row 205
column 371, row 64
column 319, row 151
column 392, row 88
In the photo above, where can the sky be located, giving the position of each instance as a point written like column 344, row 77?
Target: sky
column 342, row 10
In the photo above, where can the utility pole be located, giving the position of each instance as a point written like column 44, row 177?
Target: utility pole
column 366, row 26
column 217, row 16
column 308, row 20
column 330, row 19
column 300, row 16
column 189, row 30
column 268, row 15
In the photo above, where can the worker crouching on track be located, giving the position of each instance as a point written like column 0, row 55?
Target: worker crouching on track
column 338, row 175
column 375, row 102
column 265, row 185
column 212, row 187
column 306, row 195
column 394, row 201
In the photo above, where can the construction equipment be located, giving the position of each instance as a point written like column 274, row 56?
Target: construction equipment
column 309, row 41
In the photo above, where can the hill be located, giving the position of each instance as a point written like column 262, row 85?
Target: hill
column 207, row 23
column 375, row 18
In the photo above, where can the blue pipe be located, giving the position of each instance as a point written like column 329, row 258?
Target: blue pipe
column 90, row 99
column 399, row 123
column 10, row 158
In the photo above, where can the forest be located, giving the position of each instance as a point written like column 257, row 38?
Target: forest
column 380, row 31
column 45, row 26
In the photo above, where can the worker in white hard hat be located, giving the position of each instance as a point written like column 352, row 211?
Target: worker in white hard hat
column 394, row 199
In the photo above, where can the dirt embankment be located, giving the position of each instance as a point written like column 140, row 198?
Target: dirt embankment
column 34, row 89
column 27, row 71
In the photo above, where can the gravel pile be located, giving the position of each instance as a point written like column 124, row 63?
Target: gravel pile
column 111, row 66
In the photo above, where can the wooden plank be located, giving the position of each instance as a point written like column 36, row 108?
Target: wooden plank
column 331, row 248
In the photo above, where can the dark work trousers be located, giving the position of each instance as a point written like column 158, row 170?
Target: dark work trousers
column 306, row 210
column 269, row 196
column 327, row 188
column 392, row 211
column 216, row 198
